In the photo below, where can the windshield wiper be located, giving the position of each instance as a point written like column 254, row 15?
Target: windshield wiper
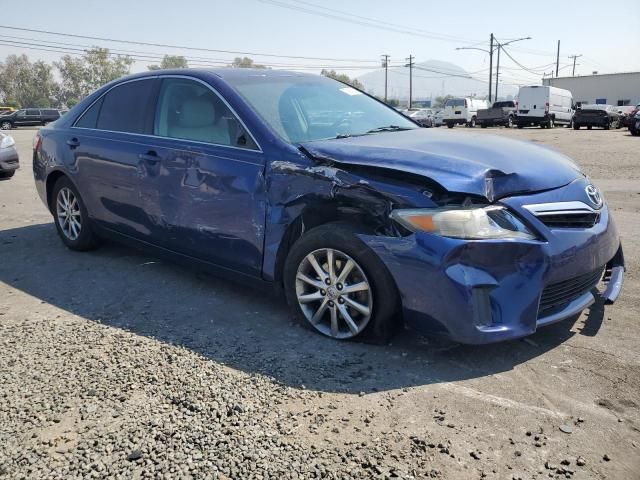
column 388, row 128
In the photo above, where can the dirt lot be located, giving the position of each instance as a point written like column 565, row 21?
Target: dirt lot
column 116, row 365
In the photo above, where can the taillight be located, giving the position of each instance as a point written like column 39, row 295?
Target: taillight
column 546, row 107
column 37, row 141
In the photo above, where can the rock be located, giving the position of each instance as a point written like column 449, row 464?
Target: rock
column 566, row 429
column 606, row 458
column 581, row 462
column 134, row 455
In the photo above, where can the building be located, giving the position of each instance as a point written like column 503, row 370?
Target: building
column 607, row 88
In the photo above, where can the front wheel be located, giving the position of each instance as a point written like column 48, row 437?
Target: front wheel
column 510, row 122
column 472, row 123
column 339, row 287
column 71, row 217
column 6, row 126
column 449, row 125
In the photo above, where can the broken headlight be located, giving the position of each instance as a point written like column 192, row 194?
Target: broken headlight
column 476, row 223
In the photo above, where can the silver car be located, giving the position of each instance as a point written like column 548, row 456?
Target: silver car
column 9, row 161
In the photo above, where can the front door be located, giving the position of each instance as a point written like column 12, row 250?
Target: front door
column 208, row 195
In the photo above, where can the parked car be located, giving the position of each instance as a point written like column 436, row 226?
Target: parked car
column 634, row 124
column 462, row 111
column 364, row 223
column 9, row 161
column 438, row 118
column 544, row 106
column 29, row 117
column 501, row 113
column 5, row 110
column 626, row 114
column 422, row 116
column 603, row 116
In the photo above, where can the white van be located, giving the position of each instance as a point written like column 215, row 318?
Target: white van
column 462, row 111
column 544, row 105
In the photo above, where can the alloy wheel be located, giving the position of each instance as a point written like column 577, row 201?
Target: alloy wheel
column 68, row 214
column 333, row 293
column 5, row 126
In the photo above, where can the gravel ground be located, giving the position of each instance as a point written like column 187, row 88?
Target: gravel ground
column 116, row 365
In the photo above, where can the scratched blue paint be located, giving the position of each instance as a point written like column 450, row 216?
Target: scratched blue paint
column 240, row 209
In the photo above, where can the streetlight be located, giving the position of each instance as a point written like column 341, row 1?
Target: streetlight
column 500, row 46
column 490, row 52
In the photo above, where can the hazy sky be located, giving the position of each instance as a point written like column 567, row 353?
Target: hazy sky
column 607, row 34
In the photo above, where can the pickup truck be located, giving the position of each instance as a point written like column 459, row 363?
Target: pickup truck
column 501, row 113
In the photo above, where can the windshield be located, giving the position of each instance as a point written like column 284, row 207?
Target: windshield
column 455, row 102
column 303, row 108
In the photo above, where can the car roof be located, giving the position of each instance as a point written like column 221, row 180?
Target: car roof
column 225, row 73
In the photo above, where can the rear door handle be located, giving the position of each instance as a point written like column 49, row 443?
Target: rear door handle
column 73, row 142
column 150, row 157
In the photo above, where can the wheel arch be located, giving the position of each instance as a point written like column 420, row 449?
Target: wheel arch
column 50, row 182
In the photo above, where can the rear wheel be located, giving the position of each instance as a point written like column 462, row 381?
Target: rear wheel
column 7, row 174
column 5, row 125
column 509, row 122
column 71, row 217
column 339, row 287
column 449, row 125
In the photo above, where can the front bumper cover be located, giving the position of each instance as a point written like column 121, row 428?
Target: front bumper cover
column 487, row 291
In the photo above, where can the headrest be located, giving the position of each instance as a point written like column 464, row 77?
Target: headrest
column 197, row 112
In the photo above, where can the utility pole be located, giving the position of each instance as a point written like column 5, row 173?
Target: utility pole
column 497, row 68
column 490, row 64
column 385, row 64
column 573, row 74
column 410, row 65
column 558, row 60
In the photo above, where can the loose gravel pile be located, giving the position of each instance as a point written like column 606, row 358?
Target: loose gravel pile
column 84, row 400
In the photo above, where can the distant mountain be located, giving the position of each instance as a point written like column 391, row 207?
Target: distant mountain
column 431, row 79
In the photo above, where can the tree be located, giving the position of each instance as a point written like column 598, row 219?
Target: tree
column 440, row 101
column 26, row 84
column 81, row 76
column 245, row 62
column 170, row 61
column 341, row 77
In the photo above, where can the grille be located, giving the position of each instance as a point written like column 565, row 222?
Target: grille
column 560, row 293
column 565, row 214
column 570, row 220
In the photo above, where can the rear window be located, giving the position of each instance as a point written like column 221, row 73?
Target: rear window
column 126, row 108
column 455, row 102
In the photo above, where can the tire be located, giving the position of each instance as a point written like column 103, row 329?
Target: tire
column 380, row 299
column 76, row 238
column 509, row 122
column 472, row 123
column 607, row 126
column 576, row 126
column 6, row 125
column 589, row 127
column 635, row 132
column 9, row 174
column 483, row 125
column 551, row 123
column 450, row 125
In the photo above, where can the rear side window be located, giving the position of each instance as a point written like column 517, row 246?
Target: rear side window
column 89, row 118
column 126, row 108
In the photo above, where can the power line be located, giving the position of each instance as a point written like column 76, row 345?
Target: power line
column 363, row 21
column 182, row 47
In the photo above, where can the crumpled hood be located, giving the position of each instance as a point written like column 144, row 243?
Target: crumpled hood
column 478, row 164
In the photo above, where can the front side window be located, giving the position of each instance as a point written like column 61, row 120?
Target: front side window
column 189, row 110
column 33, row 112
column 302, row 108
column 126, row 107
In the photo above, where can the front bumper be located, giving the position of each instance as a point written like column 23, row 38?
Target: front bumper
column 487, row 291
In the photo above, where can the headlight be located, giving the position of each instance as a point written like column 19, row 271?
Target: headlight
column 459, row 222
column 7, row 141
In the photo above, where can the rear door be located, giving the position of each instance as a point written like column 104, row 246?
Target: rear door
column 113, row 154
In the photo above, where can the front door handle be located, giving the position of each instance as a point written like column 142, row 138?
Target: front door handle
column 150, row 157
column 73, row 143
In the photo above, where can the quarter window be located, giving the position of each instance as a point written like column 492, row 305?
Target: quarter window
column 191, row 111
column 126, row 108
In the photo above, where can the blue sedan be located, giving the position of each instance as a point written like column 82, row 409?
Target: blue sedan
column 365, row 220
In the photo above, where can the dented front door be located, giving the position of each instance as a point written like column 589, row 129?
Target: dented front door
column 207, row 201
